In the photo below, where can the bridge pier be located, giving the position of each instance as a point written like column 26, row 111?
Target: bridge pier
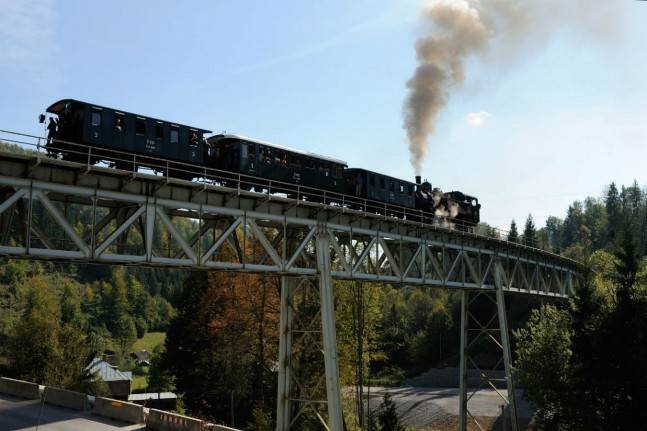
column 478, row 317
column 296, row 333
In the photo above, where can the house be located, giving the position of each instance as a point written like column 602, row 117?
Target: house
column 118, row 381
column 141, row 357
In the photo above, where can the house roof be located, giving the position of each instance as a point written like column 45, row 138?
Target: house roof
column 141, row 355
column 107, row 372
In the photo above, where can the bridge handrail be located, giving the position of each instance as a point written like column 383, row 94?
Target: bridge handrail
column 330, row 199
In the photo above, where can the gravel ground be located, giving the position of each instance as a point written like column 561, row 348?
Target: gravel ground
column 437, row 408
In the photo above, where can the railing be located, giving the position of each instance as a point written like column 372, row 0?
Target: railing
column 130, row 162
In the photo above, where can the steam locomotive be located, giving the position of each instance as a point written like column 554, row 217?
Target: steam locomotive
column 74, row 124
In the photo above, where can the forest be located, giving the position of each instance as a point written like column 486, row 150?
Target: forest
column 220, row 353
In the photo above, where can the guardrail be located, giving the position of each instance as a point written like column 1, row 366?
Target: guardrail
column 126, row 161
column 106, row 407
column 120, row 160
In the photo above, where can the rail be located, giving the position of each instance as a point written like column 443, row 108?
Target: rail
column 92, row 155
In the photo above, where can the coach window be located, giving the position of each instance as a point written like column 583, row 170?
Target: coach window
column 392, row 185
column 401, row 188
column 96, row 118
column 382, row 183
column 140, row 126
column 119, row 122
column 175, row 134
column 410, row 189
column 159, row 130
column 371, row 180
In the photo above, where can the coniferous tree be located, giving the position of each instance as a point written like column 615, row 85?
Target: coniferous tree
column 530, row 233
column 554, row 227
column 572, row 224
column 513, row 234
column 614, row 212
column 388, row 415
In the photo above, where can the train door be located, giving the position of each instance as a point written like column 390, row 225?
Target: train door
column 174, row 142
column 140, row 135
column 248, row 157
column 118, row 130
column 194, row 152
column 96, row 123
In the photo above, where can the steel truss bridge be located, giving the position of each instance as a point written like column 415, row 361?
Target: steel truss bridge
column 107, row 216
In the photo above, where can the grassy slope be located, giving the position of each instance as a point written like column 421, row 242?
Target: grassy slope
column 149, row 341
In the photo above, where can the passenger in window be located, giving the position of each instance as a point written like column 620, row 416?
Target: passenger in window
column 284, row 161
column 118, row 125
column 52, row 130
column 193, row 140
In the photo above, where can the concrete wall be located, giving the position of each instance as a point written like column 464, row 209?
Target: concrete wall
column 19, row 388
column 214, row 427
column 120, row 410
column 65, row 398
column 163, row 421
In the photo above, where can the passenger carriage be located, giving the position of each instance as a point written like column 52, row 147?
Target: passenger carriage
column 82, row 124
column 287, row 170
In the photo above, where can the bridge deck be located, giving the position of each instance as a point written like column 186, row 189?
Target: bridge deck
column 135, row 220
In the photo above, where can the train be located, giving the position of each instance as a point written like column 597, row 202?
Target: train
column 182, row 152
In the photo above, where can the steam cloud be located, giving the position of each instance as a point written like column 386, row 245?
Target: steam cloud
column 463, row 28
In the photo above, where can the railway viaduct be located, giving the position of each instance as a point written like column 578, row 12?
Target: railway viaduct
column 306, row 244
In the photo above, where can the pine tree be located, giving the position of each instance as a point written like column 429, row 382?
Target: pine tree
column 614, row 212
column 572, row 225
column 388, row 415
column 513, row 235
column 530, row 233
column 554, row 228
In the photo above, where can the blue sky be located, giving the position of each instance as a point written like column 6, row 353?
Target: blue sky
column 563, row 120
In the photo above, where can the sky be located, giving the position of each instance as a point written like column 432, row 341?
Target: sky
column 526, row 136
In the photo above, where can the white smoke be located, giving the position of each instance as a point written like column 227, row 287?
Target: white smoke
column 506, row 29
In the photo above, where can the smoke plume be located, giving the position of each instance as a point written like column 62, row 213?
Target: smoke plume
column 460, row 29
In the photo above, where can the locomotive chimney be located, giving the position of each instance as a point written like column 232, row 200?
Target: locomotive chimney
column 418, row 179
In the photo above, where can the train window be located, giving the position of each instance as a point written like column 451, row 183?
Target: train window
column 339, row 172
column 327, row 171
column 175, row 135
column 382, row 183
column 119, row 122
column 140, row 126
column 266, row 155
column 310, row 164
column 410, row 189
column 96, row 118
column 371, row 180
column 159, row 130
column 252, row 153
column 401, row 188
column 392, row 185
column 281, row 158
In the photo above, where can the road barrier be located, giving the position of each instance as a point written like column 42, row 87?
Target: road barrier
column 163, row 421
column 19, row 388
column 65, row 398
column 216, row 427
column 119, row 410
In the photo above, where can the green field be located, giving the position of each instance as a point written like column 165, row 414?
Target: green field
column 149, row 341
column 138, row 384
